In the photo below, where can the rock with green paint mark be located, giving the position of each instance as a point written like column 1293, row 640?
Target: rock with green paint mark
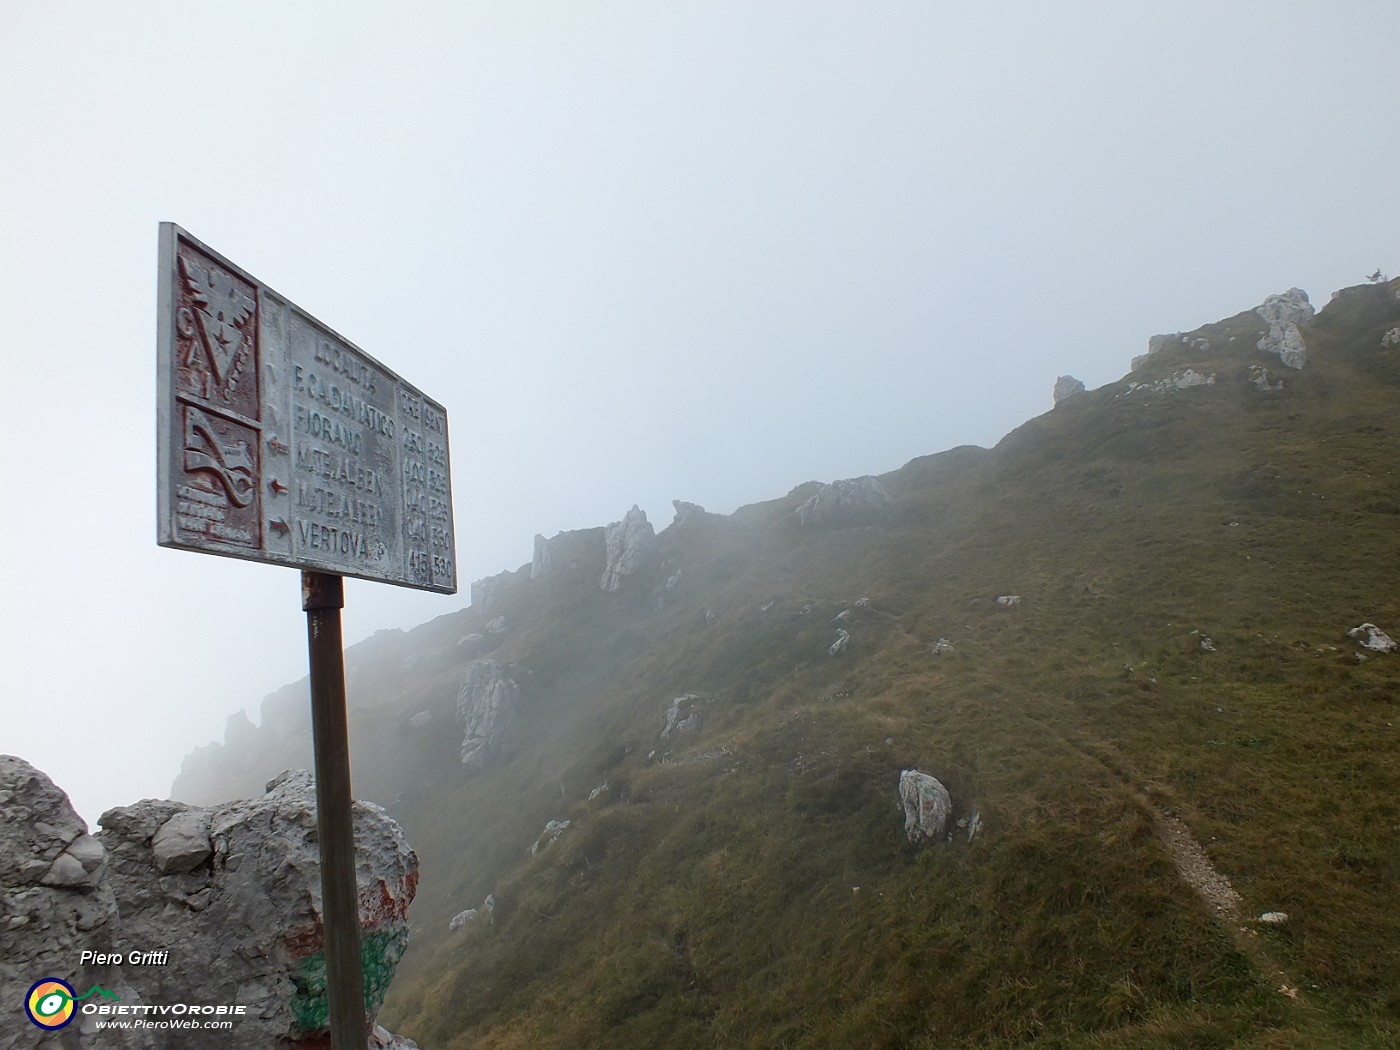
column 242, row 924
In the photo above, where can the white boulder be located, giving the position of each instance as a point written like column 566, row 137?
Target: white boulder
column 926, row 806
column 383, row 1039
column 551, row 832
column 1372, row 637
column 461, row 919
column 1284, row 313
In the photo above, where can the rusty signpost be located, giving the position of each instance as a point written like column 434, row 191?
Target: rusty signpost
column 279, row 441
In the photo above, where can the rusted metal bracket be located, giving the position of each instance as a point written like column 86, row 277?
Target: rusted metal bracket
column 321, row 590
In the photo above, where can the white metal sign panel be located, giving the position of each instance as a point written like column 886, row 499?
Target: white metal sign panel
column 280, row 441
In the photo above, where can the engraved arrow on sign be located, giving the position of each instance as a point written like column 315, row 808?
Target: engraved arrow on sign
column 230, row 464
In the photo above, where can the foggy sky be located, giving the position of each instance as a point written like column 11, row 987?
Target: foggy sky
column 640, row 251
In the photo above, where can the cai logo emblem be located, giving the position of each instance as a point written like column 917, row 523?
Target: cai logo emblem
column 50, row 1003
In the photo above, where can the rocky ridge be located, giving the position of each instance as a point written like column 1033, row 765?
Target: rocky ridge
column 231, row 894
column 1203, row 474
column 486, row 705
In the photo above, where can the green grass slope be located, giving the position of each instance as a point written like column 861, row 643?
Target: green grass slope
column 749, row 884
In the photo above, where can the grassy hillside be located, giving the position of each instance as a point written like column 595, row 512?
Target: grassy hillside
column 749, row 884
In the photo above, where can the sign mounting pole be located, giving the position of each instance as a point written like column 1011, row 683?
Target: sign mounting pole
column 280, row 441
column 323, row 596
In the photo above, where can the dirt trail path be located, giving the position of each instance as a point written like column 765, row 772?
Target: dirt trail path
column 1193, row 864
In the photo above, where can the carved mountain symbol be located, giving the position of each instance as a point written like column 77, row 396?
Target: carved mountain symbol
column 222, row 311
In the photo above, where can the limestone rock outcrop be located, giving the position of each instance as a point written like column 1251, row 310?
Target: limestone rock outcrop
column 486, row 592
column 239, row 731
column 926, row 806
column 542, row 562
column 1183, row 380
column 486, row 704
column 182, row 843
column 244, row 923
column 686, row 511
column 55, row 903
column 1259, row 379
column 1067, row 386
column 231, row 894
column 681, row 717
column 1155, row 345
column 850, row 501
column 552, row 830
column 561, row 556
column 1284, row 313
column 628, row 543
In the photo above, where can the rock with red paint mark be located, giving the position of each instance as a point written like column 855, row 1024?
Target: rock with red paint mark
column 244, row 925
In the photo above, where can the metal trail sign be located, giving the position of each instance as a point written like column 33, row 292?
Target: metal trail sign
column 282, row 442
column 279, row 441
